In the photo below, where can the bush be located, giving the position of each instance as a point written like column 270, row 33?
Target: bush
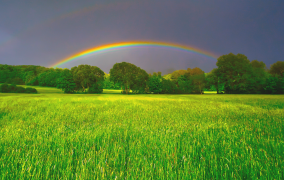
column 31, row 90
column 12, row 88
column 4, row 88
column 20, row 89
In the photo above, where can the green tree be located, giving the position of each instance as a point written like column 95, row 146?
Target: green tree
column 198, row 79
column 257, row 79
column 4, row 75
column 123, row 73
column 4, row 88
column 108, row 84
column 168, row 87
column 66, row 82
column 277, row 68
column 155, row 83
column 231, row 71
column 271, row 85
column 176, row 74
column 168, row 76
column 185, row 85
column 139, row 80
column 85, row 76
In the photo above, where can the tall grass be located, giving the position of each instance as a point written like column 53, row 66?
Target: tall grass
column 60, row 136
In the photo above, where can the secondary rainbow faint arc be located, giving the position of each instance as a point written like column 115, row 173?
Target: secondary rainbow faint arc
column 121, row 45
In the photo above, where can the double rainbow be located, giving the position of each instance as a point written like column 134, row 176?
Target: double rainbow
column 122, row 45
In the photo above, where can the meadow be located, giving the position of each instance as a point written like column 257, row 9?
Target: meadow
column 52, row 135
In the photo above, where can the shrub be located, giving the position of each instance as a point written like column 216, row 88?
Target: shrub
column 20, row 89
column 31, row 90
column 12, row 88
column 4, row 88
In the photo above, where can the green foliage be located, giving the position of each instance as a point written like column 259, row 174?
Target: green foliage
column 5, row 88
column 31, row 90
column 86, row 76
column 20, row 89
column 49, row 77
column 108, row 84
column 66, row 82
column 256, row 79
column 31, row 79
column 168, row 87
column 4, row 75
column 139, row 81
column 176, row 74
column 96, row 88
column 12, row 88
column 122, row 73
column 185, row 86
column 155, row 83
column 15, row 80
column 168, row 76
column 234, row 71
column 129, row 76
column 277, row 68
column 272, row 85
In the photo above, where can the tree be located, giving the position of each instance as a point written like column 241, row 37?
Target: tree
column 66, row 82
column 211, row 81
column 123, row 73
column 95, row 80
column 108, row 84
column 277, row 68
column 198, row 78
column 231, row 71
column 155, row 83
column 176, row 74
column 185, row 85
column 139, row 81
column 168, row 87
column 49, row 77
column 4, row 88
column 270, row 86
column 257, row 79
column 4, row 75
column 15, row 80
column 168, row 76
column 86, row 76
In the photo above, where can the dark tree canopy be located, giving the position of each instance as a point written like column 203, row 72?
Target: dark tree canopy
column 231, row 71
column 128, row 74
column 277, row 68
column 86, row 76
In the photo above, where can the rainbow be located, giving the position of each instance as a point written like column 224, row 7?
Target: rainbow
column 122, row 45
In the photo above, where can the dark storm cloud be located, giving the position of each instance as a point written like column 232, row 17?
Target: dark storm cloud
column 43, row 32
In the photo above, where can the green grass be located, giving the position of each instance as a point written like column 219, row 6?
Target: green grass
column 114, row 136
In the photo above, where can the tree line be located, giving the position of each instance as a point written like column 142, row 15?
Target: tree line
column 235, row 74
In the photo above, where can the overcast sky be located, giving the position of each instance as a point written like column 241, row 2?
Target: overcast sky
column 43, row 32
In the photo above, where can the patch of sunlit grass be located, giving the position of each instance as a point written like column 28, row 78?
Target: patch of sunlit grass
column 108, row 136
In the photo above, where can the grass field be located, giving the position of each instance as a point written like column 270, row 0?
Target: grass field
column 52, row 135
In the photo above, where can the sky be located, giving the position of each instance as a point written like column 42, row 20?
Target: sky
column 41, row 32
